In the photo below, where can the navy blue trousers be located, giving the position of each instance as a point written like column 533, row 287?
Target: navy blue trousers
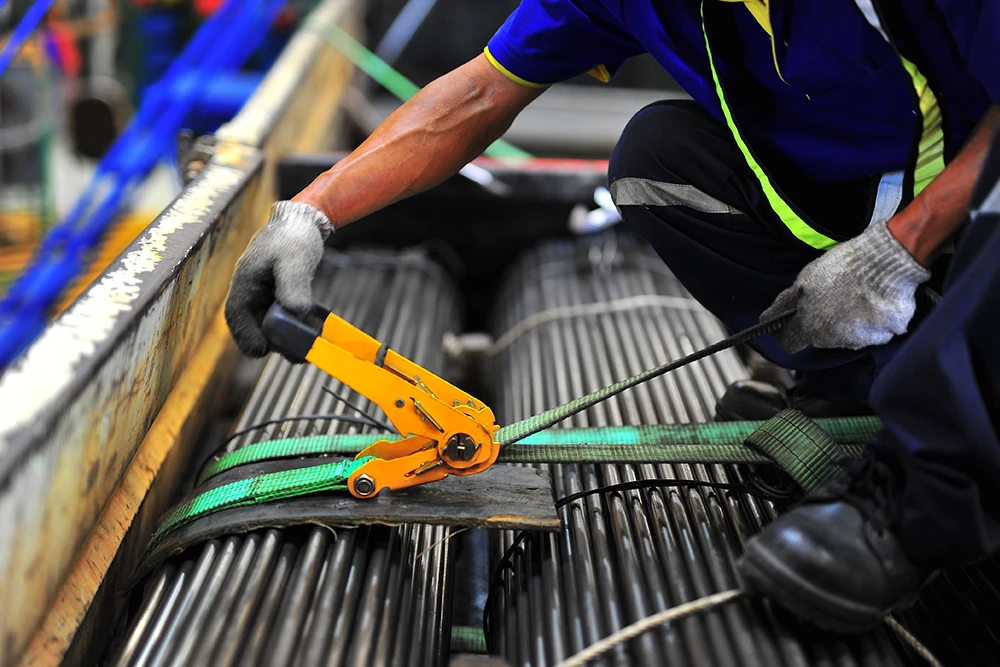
column 940, row 401
column 705, row 214
column 937, row 389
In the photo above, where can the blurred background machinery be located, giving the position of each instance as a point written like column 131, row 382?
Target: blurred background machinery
column 579, row 118
column 93, row 104
column 101, row 101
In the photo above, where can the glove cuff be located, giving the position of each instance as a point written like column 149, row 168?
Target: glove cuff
column 297, row 210
column 889, row 264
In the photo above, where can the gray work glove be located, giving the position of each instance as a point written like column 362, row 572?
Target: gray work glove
column 859, row 293
column 279, row 264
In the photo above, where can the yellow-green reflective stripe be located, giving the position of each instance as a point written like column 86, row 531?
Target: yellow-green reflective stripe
column 795, row 224
column 930, row 150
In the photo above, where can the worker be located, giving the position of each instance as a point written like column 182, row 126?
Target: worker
column 824, row 163
column 926, row 493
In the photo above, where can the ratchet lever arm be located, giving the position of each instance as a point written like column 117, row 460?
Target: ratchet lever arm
column 446, row 431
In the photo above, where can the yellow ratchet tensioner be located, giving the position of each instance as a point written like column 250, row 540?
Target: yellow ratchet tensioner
column 447, row 431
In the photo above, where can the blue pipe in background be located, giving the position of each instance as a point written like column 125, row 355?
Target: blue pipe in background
column 226, row 92
column 162, row 41
column 205, row 68
column 23, row 31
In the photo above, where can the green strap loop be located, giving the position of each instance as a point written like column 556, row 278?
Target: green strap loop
column 719, row 442
column 807, row 451
column 800, row 447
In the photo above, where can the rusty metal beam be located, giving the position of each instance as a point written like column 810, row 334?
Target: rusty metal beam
column 81, row 399
column 76, row 626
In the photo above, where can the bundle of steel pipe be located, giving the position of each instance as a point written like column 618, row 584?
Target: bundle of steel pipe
column 623, row 556
column 315, row 595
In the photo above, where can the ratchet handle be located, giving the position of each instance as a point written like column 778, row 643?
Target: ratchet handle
column 291, row 336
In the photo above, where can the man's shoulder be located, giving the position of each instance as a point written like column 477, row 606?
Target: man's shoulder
column 596, row 10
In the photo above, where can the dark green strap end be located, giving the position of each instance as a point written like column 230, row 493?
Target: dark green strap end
column 798, row 446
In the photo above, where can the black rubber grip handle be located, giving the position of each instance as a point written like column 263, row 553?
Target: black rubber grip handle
column 290, row 335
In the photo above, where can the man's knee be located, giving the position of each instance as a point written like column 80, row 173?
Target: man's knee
column 654, row 135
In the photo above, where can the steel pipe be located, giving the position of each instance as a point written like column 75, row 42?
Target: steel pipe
column 316, row 595
column 626, row 555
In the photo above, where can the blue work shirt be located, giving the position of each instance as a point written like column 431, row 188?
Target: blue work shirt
column 842, row 106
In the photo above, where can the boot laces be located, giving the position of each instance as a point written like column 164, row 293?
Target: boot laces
column 869, row 485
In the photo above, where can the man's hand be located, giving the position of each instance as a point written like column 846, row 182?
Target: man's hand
column 278, row 265
column 440, row 129
column 859, row 293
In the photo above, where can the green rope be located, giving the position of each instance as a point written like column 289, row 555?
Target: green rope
column 260, row 489
column 383, row 73
column 717, row 442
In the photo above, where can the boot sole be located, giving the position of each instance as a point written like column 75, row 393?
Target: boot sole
column 762, row 571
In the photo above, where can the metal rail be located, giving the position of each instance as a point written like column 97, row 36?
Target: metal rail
column 316, row 596
column 81, row 398
column 624, row 556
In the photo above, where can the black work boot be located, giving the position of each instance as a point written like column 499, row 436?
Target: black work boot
column 753, row 400
column 834, row 561
column 772, row 389
column 750, row 400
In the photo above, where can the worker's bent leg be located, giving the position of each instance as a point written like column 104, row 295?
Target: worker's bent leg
column 940, row 401
column 682, row 184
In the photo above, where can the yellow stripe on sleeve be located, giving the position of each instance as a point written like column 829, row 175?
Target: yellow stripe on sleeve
column 510, row 75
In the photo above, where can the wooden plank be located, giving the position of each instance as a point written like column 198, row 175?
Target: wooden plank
column 503, row 497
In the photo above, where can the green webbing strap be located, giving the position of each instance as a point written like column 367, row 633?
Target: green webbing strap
column 844, row 430
column 382, row 73
column 290, row 448
column 260, row 489
column 807, row 451
column 645, row 453
column 522, row 429
column 517, row 431
column 712, row 442
column 333, row 476
column 800, row 447
column 465, row 639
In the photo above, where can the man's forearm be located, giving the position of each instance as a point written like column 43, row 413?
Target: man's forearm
column 432, row 136
column 937, row 213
